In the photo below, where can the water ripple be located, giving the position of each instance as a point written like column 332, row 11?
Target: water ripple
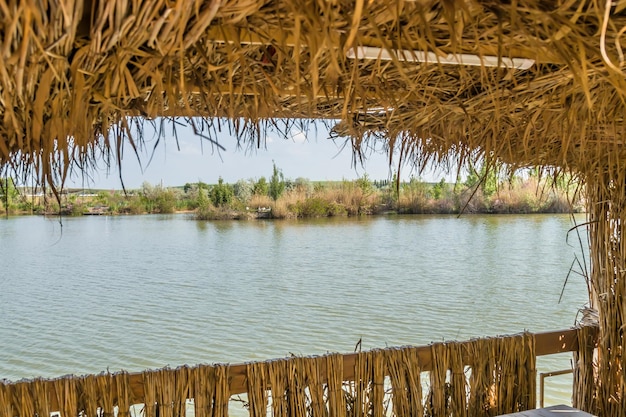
column 142, row 292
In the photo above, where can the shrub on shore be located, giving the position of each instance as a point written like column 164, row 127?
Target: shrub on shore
column 303, row 198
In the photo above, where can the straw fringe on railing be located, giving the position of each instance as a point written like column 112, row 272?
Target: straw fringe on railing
column 204, row 389
column 584, row 369
column 482, row 377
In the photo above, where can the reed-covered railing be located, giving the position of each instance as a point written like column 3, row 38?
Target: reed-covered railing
column 480, row 377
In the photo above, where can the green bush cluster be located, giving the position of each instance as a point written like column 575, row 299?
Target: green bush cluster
column 483, row 192
column 221, row 194
column 317, row 207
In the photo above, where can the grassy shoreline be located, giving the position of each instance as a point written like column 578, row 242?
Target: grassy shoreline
column 280, row 198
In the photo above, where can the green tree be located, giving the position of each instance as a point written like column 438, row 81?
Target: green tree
column 415, row 195
column 365, row 184
column 221, row 194
column 473, row 177
column 439, row 189
column 202, row 200
column 261, row 187
column 491, row 183
column 8, row 193
column 203, row 186
column 147, row 197
column 394, row 187
column 487, row 177
column 156, row 199
column 165, row 201
column 277, row 183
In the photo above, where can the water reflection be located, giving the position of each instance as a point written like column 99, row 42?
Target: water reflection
column 150, row 291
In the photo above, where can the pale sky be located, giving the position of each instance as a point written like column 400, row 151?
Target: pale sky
column 307, row 154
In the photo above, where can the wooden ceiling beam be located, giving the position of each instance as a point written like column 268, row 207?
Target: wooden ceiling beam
column 243, row 36
column 225, row 89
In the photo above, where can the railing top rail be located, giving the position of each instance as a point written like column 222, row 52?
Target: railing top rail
column 546, row 343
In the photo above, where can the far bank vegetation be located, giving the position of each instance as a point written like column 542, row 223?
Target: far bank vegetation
column 278, row 197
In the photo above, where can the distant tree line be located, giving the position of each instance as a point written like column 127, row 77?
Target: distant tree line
column 483, row 191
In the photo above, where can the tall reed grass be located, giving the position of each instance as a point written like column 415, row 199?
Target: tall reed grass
column 325, row 199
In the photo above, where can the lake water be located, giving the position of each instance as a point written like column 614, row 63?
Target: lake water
column 144, row 292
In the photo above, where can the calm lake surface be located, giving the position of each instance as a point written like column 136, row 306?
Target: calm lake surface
column 144, row 292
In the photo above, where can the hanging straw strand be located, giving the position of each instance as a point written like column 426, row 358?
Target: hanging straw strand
column 336, row 395
column 222, row 393
column 203, row 390
column 257, row 378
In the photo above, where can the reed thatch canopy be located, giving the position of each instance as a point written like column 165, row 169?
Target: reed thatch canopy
column 524, row 82
column 548, row 87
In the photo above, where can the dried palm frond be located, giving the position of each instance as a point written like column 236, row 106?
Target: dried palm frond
column 73, row 74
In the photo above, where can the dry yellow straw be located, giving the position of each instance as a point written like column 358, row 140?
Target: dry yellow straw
column 399, row 392
column 606, row 194
column 278, row 374
column 296, row 387
column 503, row 375
column 313, row 370
column 413, row 380
column 123, row 399
column 378, row 383
column 203, row 390
column 23, row 399
column 6, row 400
column 184, row 390
column 87, row 396
column 91, row 396
column 362, row 382
column 257, row 377
column 457, row 380
column 67, row 78
column 584, row 371
column 436, row 403
column 334, row 375
column 502, row 379
column 106, row 395
column 67, row 394
column 222, row 393
column 151, row 382
column 40, row 391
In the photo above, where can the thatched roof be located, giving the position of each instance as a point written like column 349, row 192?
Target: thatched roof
column 70, row 70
